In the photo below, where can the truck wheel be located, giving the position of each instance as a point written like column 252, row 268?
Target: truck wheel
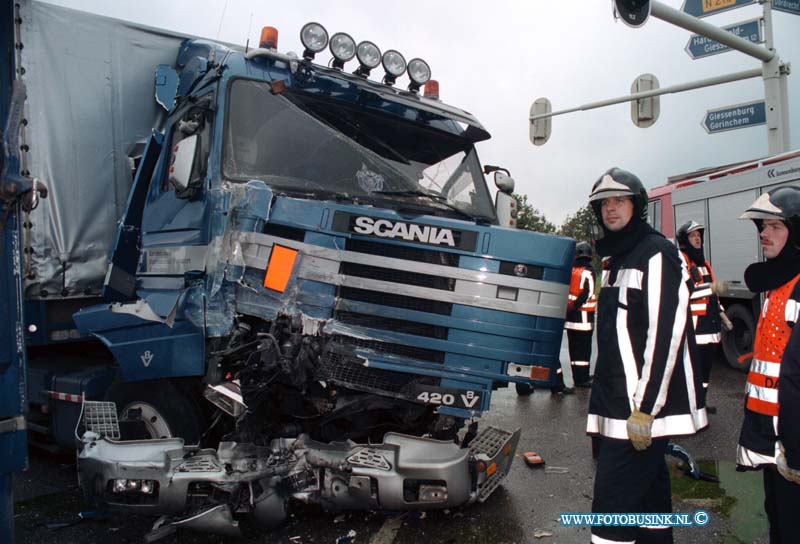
column 739, row 341
column 524, row 389
column 156, row 409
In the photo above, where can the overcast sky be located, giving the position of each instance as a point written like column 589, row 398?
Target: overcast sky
column 495, row 57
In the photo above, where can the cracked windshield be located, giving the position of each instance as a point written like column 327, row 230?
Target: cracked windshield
column 314, row 147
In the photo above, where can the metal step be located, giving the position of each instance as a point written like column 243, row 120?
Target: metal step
column 100, row 417
column 489, row 441
column 495, row 447
column 488, row 487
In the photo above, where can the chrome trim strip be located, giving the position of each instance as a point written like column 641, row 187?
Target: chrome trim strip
column 473, row 288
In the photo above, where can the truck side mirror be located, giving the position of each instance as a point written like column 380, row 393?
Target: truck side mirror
column 183, row 157
column 504, row 182
column 506, row 208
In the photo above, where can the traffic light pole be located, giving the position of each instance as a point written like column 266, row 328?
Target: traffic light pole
column 772, row 71
column 776, row 92
column 699, row 84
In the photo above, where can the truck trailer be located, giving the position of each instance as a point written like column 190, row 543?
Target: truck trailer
column 258, row 279
column 716, row 197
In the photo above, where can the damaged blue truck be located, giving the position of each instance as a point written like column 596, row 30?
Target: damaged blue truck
column 257, row 279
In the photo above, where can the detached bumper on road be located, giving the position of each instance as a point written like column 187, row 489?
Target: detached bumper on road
column 164, row 477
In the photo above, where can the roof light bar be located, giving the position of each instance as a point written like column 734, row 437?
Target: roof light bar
column 369, row 57
column 314, row 38
column 394, row 64
column 343, row 49
column 419, row 72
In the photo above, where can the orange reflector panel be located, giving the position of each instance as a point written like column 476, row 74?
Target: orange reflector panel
column 507, row 449
column 278, row 86
column 491, row 469
column 480, row 466
column 269, row 38
column 279, row 268
column 540, row 373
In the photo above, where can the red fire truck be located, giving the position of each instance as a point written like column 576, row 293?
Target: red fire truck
column 716, row 197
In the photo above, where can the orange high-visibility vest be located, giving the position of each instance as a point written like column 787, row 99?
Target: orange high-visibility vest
column 772, row 334
column 701, row 295
column 575, row 283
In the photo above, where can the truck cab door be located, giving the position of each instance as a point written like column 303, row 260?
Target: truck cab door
column 177, row 213
column 120, row 282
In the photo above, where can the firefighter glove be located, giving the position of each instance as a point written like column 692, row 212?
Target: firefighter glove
column 787, row 472
column 726, row 323
column 639, row 429
column 719, row 287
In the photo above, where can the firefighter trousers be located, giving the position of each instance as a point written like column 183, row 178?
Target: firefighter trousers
column 707, row 352
column 580, row 352
column 631, row 481
column 782, row 504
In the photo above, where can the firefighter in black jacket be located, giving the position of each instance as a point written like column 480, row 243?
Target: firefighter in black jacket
column 647, row 385
column 772, row 393
column 580, row 314
column 704, row 303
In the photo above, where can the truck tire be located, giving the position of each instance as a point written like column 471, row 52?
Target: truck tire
column 524, row 389
column 739, row 341
column 156, row 409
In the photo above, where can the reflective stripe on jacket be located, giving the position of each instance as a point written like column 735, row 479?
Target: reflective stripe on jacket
column 645, row 356
column 758, row 440
column 581, row 319
column 772, row 333
column 703, row 302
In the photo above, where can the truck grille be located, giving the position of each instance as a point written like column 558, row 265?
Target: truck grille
column 396, row 301
column 402, row 276
column 283, row 231
column 349, row 372
column 397, row 276
column 389, row 324
column 402, row 350
column 403, row 252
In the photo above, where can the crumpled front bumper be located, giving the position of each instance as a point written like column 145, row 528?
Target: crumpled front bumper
column 402, row 473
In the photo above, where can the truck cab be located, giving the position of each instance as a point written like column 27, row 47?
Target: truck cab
column 318, row 257
column 309, row 294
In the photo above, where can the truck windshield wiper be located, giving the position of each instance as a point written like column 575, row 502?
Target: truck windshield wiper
column 438, row 198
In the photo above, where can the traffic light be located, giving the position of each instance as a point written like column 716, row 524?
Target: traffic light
column 644, row 111
column 632, row 12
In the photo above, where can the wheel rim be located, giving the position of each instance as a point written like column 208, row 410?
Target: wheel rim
column 155, row 423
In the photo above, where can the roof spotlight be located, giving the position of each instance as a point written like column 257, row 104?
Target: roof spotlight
column 314, row 38
column 395, row 65
column 369, row 57
column 343, row 48
column 419, row 72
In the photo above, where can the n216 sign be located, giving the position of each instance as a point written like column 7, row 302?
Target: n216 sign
column 704, row 8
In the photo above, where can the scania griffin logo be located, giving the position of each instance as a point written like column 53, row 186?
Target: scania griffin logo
column 406, row 231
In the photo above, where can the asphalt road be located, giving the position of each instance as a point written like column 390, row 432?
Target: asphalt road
column 525, row 509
